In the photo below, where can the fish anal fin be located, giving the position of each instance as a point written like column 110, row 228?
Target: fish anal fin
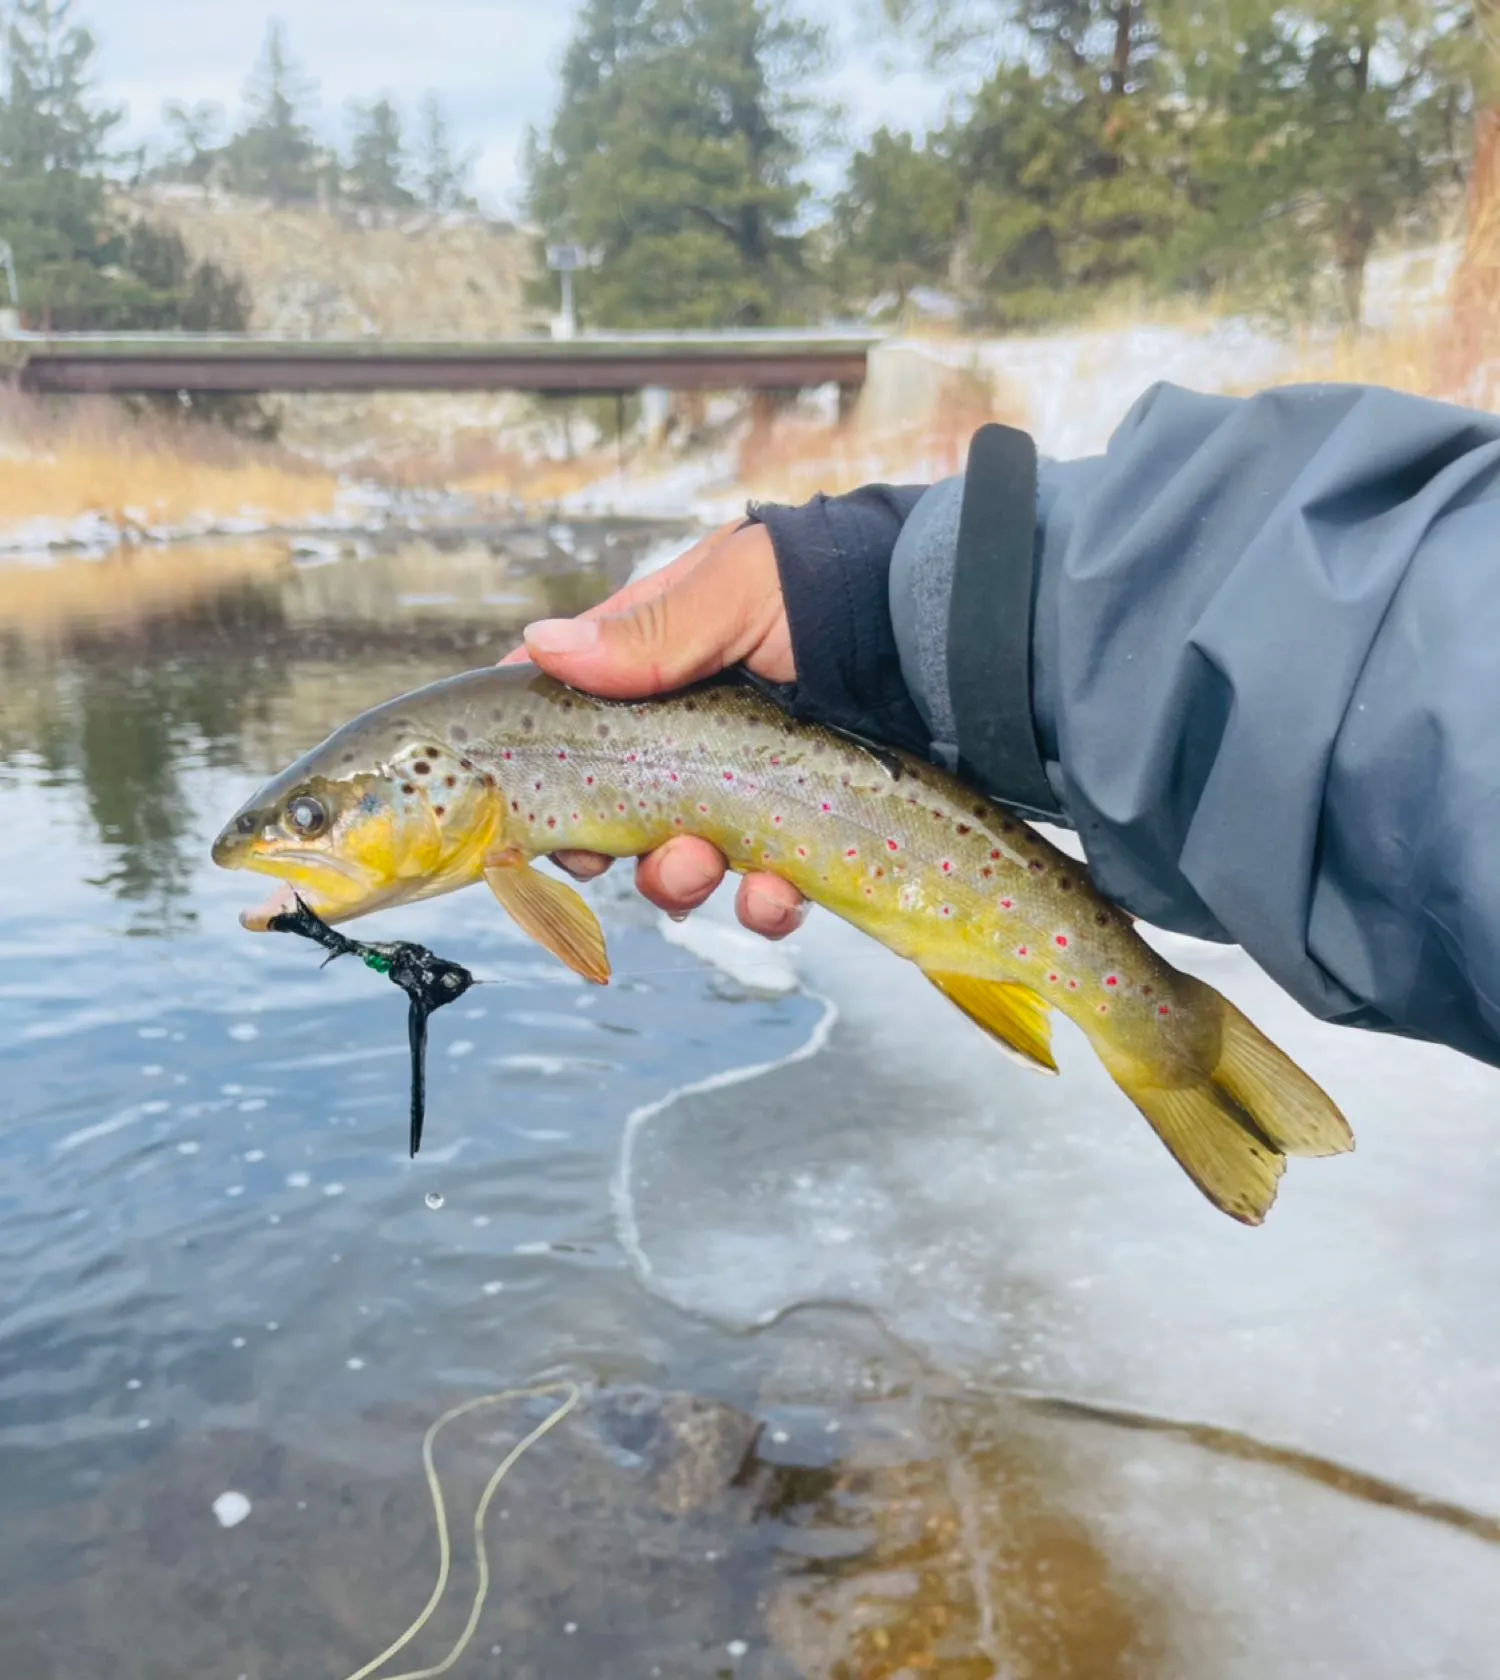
column 552, row 913
column 1015, row 1016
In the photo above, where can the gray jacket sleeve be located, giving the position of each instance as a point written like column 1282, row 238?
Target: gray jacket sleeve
column 1266, row 686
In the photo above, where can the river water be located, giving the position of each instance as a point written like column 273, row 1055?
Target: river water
column 893, row 1360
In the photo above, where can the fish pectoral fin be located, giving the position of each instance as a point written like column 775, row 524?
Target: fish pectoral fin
column 1015, row 1016
column 553, row 914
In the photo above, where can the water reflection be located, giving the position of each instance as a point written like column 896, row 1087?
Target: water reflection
column 122, row 673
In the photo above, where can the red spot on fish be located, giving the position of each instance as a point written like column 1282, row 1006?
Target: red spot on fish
column 551, row 822
column 1052, row 978
column 826, row 807
column 775, row 759
column 946, row 910
column 630, row 758
column 674, row 775
column 507, row 754
column 802, row 851
column 1023, row 950
column 995, row 855
column 1072, row 985
column 562, row 756
column 963, row 828
column 1007, row 904
column 1111, row 979
column 537, row 786
column 777, row 821
column 946, row 866
column 1161, row 1009
column 575, row 816
column 986, row 872
column 588, row 781
column 729, row 775
column 1060, row 940
column 893, row 845
column 621, row 807
column 703, row 809
column 853, row 852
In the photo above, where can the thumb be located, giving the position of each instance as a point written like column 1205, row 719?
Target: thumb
column 717, row 614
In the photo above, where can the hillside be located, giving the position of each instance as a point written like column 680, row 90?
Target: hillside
column 335, row 273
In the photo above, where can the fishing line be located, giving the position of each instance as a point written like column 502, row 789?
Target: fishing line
column 573, row 1395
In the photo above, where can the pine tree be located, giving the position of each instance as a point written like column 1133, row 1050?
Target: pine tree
column 376, row 171
column 274, row 154
column 674, row 154
column 193, row 140
column 442, row 175
column 895, row 222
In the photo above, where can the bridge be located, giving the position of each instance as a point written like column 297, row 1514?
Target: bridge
column 595, row 364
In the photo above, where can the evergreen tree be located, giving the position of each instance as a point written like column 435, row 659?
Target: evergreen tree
column 895, row 222
column 274, row 154
column 442, row 176
column 376, row 170
column 194, row 145
column 674, row 154
column 52, row 154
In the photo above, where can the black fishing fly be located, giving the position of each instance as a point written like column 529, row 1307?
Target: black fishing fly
column 428, row 981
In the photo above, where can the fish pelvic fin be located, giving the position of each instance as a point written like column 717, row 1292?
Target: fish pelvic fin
column 1294, row 1113
column 553, row 914
column 1015, row 1016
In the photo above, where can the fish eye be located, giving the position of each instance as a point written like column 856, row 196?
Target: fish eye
column 307, row 816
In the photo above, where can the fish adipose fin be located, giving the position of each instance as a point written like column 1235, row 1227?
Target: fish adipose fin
column 1232, row 1131
column 553, row 914
column 1015, row 1016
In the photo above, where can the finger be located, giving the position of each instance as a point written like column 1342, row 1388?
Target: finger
column 716, row 613
column 769, row 906
column 680, row 875
column 643, row 589
column 582, row 866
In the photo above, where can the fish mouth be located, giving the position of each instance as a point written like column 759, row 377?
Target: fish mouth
column 336, row 894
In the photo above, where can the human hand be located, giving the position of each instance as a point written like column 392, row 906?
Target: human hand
column 717, row 605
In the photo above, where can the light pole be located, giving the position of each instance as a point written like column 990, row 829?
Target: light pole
column 565, row 260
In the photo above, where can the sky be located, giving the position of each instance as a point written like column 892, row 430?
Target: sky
column 494, row 63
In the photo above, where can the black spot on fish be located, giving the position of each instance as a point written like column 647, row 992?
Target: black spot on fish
column 1064, row 884
column 450, row 781
column 465, row 764
column 690, row 705
column 439, row 810
column 1101, row 917
column 1037, row 867
column 528, row 723
column 348, row 758
column 432, row 752
column 602, row 731
column 497, row 715
column 406, row 787
column 422, row 768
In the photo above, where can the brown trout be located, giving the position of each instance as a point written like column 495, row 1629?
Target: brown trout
column 475, row 777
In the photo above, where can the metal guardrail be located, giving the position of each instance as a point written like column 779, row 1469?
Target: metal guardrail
column 601, row 363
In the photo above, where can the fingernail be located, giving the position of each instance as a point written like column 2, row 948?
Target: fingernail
column 681, row 877
column 562, row 635
column 773, row 915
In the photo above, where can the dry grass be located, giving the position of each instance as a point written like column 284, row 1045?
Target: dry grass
column 136, row 473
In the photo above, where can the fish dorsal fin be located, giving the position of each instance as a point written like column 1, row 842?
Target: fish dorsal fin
column 553, row 914
column 1015, row 1016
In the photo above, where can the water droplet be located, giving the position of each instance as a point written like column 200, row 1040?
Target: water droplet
column 434, row 1199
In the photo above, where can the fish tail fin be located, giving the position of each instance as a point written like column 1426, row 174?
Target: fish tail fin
column 1214, row 1142
column 1231, row 1129
column 1287, row 1107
